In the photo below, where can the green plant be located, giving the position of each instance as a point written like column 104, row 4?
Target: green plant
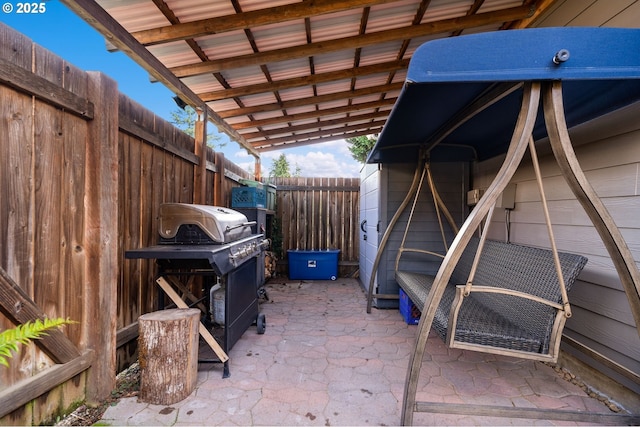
column 280, row 167
column 361, row 146
column 186, row 118
column 23, row 334
column 276, row 237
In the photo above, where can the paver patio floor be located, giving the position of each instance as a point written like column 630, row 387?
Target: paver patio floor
column 324, row 361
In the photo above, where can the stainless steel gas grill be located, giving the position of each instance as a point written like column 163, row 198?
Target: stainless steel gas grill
column 215, row 243
column 185, row 224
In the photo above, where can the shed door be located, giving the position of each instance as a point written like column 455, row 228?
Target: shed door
column 369, row 217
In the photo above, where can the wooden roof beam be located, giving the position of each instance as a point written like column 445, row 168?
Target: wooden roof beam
column 319, row 48
column 314, row 114
column 315, row 125
column 246, row 20
column 319, row 99
column 313, row 79
column 370, row 127
column 312, row 141
column 541, row 6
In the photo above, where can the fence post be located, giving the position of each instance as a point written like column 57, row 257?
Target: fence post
column 101, row 235
column 257, row 168
column 218, row 180
column 200, row 150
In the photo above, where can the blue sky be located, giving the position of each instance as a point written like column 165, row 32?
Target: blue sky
column 62, row 32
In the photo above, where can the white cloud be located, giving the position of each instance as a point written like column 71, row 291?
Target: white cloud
column 330, row 159
column 241, row 154
column 324, row 164
column 340, row 147
column 248, row 166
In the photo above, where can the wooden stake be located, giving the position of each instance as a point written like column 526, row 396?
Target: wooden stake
column 166, row 287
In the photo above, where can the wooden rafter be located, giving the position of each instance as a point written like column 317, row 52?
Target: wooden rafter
column 339, row 132
column 541, row 6
column 173, row 19
column 119, row 37
column 304, row 81
column 314, row 114
column 327, row 124
column 472, row 10
column 245, row 20
column 336, row 96
column 311, row 49
column 300, row 143
column 211, row 79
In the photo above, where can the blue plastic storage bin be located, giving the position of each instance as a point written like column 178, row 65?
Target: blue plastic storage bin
column 313, row 265
column 408, row 309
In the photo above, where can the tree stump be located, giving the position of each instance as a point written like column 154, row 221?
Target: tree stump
column 168, row 355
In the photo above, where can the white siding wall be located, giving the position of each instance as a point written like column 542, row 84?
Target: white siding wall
column 593, row 13
column 609, row 152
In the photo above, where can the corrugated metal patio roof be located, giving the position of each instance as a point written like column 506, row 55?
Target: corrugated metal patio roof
column 278, row 74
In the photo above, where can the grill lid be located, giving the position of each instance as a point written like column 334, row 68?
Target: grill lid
column 182, row 223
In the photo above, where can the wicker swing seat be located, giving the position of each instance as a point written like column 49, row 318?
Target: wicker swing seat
column 495, row 319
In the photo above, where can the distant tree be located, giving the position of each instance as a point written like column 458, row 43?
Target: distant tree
column 186, row 121
column 361, row 146
column 280, row 168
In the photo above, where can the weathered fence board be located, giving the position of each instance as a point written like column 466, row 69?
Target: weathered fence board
column 49, row 243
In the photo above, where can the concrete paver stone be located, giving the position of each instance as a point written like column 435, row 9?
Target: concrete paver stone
column 324, row 361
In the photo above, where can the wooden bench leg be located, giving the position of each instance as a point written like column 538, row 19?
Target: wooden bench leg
column 517, row 148
column 591, row 203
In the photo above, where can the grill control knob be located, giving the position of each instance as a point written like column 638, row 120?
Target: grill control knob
column 248, row 250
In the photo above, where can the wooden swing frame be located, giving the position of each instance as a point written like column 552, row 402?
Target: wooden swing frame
column 438, row 205
column 551, row 94
column 422, row 170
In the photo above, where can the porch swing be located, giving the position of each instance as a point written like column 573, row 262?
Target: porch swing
column 485, row 293
column 502, row 298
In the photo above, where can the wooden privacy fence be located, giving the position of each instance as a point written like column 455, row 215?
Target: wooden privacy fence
column 318, row 214
column 58, row 226
column 83, row 171
column 156, row 165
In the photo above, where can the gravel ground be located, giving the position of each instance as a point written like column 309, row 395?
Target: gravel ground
column 127, row 385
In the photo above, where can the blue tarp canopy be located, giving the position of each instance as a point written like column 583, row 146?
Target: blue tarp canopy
column 599, row 69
